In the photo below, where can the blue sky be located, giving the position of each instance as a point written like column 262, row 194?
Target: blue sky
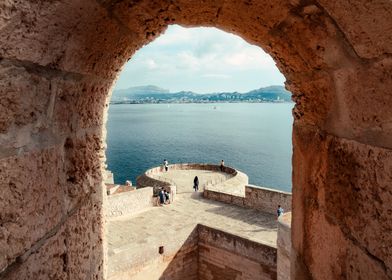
column 202, row 60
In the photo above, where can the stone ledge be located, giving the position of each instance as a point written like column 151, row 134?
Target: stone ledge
column 259, row 198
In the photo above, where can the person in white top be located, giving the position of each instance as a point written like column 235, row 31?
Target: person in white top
column 166, row 164
column 222, row 165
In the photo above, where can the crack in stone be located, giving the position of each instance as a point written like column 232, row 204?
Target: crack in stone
column 19, row 260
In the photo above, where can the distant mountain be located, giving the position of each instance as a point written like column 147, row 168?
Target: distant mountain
column 138, row 92
column 154, row 94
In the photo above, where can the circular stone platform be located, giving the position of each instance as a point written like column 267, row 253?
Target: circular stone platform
column 183, row 179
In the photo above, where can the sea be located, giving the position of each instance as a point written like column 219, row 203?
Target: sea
column 255, row 138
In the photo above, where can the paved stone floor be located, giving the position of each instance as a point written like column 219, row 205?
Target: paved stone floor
column 133, row 240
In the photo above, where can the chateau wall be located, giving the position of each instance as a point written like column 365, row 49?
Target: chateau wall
column 147, row 180
column 284, row 246
column 192, row 166
column 226, row 256
column 179, row 261
column 259, row 198
column 128, row 203
column 58, row 61
column 207, row 253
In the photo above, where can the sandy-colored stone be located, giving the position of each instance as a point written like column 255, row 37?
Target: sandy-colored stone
column 347, row 190
column 284, row 247
column 58, row 60
column 367, row 24
column 130, row 202
column 24, row 196
column 134, row 239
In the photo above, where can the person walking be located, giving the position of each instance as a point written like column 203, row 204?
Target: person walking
column 166, row 165
column 222, row 166
column 196, row 183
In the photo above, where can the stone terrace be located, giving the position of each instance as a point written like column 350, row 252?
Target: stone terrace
column 134, row 240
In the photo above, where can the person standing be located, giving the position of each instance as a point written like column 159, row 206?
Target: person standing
column 196, row 183
column 279, row 211
column 167, row 197
column 166, row 164
column 222, row 165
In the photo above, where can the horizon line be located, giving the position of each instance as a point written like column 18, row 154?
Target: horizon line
column 169, row 91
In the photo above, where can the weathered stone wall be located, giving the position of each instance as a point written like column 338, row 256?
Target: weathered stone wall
column 178, row 261
column 284, row 246
column 207, row 253
column 267, row 200
column 58, row 61
column 256, row 197
column 226, row 256
column 129, row 203
column 192, row 166
column 147, row 180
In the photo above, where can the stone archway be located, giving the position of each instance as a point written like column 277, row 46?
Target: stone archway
column 58, row 61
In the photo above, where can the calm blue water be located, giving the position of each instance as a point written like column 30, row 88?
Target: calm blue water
column 254, row 138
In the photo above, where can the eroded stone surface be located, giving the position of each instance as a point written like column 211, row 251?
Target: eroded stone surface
column 58, row 60
column 36, row 193
column 347, row 190
column 134, row 240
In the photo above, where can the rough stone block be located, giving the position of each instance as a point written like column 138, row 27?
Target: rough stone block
column 82, row 167
column 62, row 28
column 341, row 212
column 53, row 254
column 366, row 24
column 85, row 245
column 32, row 200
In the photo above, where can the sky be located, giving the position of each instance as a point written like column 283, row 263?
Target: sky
column 201, row 60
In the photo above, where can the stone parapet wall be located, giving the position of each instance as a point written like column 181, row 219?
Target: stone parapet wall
column 177, row 261
column 147, row 180
column 284, row 246
column 129, row 203
column 57, row 68
column 192, row 166
column 207, row 253
column 226, row 256
column 256, row 197
column 266, row 199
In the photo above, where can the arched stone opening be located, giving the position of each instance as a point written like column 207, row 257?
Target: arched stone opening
column 59, row 60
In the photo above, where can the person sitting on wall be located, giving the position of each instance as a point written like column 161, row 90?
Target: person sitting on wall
column 161, row 197
column 196, row 184
column 279, row 211
column 167, row 197
column 222, row 165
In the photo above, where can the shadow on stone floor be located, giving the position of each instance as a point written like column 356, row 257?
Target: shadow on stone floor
column 266, row 221
column 184, row 263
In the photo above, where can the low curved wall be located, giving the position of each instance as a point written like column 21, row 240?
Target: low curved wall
column 146, row 180
column 191, row 166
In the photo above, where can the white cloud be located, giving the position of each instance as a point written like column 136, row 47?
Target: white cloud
column 216, row 76
column 200, row 59
column 151, row 64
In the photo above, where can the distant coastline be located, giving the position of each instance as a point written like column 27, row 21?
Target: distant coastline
column 193, row 102
column 156, row 95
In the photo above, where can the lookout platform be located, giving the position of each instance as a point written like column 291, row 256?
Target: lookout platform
column 134, row 240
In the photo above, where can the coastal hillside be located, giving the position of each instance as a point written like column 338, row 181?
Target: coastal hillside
column 154, row 94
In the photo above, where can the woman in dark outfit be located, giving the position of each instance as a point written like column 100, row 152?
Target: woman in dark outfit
column 196, row 184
